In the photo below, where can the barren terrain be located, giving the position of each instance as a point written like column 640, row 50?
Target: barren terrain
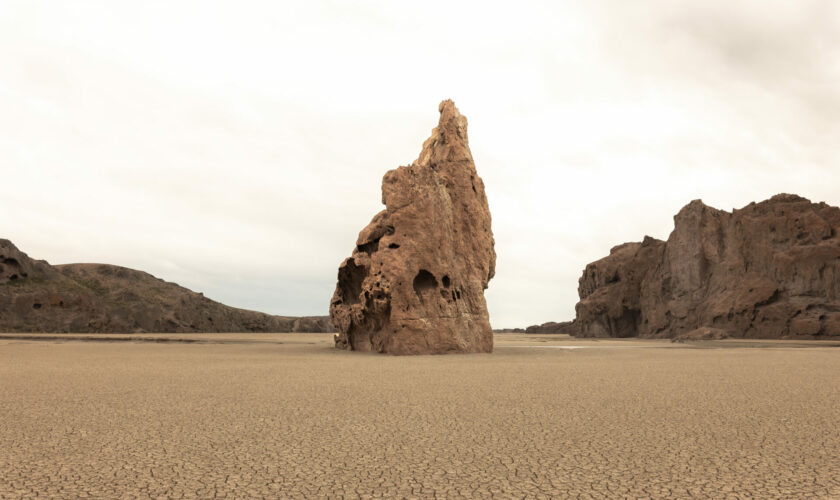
column 256, row 415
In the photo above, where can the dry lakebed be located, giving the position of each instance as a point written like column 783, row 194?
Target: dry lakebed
column 544, row 416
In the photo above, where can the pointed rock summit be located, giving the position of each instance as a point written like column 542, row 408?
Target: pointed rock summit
column 415, row 282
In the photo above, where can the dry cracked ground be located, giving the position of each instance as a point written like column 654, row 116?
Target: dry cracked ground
column 288, row 416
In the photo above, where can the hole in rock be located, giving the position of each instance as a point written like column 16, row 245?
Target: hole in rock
column 458, row 294
column 36, row 306
column 393, row 245
column 445, row 281
column 350, row 279
column 369, row 247
column 10, row 261
column 13, row 277
column 60, row 303
column 1, row 269
column 424, row 281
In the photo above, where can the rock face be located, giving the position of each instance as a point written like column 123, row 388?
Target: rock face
column 100, row 298
column 415, row 282
column 768, row 270
column 609, row 290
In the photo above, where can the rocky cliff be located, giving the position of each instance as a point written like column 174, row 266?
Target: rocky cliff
column 768, row 270
column 100, row 298
column 416, row 279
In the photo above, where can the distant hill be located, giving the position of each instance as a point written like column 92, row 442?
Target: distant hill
column 565, row 327
column 98, row 298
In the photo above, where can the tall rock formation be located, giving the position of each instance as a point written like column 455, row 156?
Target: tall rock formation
column 768, row 270
column 416, row 279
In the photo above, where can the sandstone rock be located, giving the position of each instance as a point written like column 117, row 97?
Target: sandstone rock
column 100, row 298
column 768, row 270
column 16, row 265
column 415, row 282
column 609, row 290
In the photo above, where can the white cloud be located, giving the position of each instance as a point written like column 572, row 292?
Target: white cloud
column 238, row 148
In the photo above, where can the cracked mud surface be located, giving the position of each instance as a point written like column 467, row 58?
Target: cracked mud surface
column 288, row 415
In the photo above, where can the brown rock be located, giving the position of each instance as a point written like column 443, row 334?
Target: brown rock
column 415, row 282
column 609, row 290
column 100, row 298
column 768, row 270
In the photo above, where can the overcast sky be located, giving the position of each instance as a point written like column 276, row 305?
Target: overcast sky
column 237, row 148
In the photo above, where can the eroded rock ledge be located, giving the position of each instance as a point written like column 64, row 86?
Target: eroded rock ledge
column 416, row 279
column 768, row 270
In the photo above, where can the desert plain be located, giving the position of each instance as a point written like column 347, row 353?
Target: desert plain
column 289, row 416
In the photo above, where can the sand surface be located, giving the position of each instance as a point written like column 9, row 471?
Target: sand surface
column 204, row 416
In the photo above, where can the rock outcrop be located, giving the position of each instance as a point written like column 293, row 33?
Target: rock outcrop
column 101, row 298
column 609, row 290
column 768, row 270
column 416, row 279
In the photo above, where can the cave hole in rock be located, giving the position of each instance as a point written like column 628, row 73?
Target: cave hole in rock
column 393, row 245
column 445, row 281
column 10, row 261
column 424, row 282
column 350, row 278
column 369, row 247
column 458, row 294
column 13, row 277
column 36, row 306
